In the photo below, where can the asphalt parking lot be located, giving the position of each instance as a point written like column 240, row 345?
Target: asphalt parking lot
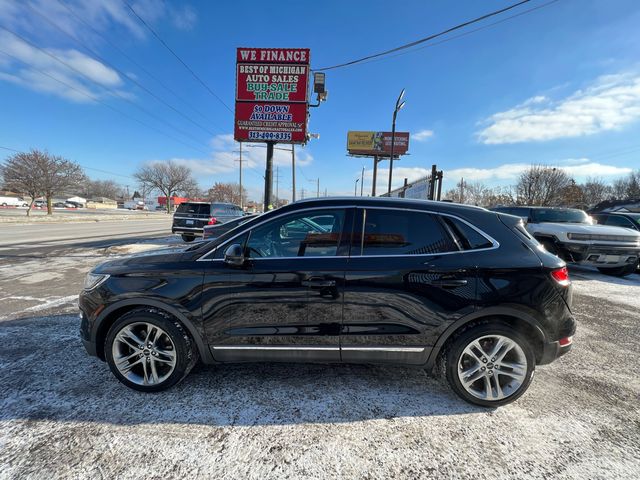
column 63, row 415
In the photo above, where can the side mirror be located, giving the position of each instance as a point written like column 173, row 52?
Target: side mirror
column 234, row 255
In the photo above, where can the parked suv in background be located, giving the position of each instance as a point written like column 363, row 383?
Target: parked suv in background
column 571, row 234
column 618, row 219
column 387, row 280
column 190, row 218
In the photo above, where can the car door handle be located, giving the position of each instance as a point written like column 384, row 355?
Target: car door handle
column 318, row 283
column 448, row 282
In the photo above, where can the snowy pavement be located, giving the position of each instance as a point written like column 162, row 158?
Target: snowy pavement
column 63, row 415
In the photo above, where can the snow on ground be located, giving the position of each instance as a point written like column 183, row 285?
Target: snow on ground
column 20, row 216
column 64, row 415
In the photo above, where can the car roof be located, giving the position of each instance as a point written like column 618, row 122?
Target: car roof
column 393, row 202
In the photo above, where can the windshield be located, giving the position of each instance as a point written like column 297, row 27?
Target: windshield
column 555, row 215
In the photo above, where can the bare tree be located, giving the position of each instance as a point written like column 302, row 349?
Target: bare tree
column 595, row 190
column 22, row 173
column 227, row 192
column 102, row 188
column 541, row 185
column 59, row 175
column 168, row 178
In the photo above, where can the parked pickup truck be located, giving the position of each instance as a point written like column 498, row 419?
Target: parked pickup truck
column 571, row 235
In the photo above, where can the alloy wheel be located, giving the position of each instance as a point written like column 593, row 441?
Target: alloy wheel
column 144, row 354
column 492, row 367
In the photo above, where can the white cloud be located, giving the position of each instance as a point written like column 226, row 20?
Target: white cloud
column 422, row 135
column 612, row 102
column 184, row 19
column 27, row 63
column 507, row 173
column 80, row 19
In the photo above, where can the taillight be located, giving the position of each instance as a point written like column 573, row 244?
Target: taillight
column 561, row 276
column 212, row 221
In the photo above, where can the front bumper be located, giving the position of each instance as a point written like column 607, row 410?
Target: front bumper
column 598, row 255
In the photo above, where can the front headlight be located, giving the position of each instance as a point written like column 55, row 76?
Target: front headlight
column 92, row 280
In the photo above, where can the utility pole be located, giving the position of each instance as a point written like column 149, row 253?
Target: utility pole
column 325, row 192
column 268, row 177
column 462, row 190
column 318, row 188
column 375, row 175
column 361, row 181
column 293, row 173
column 302, row 193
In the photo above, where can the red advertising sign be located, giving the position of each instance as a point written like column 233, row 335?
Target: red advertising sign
column 271, row 95
column 266, row 122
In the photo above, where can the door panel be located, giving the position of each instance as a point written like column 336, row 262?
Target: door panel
column 396, row 305
column 274, row 307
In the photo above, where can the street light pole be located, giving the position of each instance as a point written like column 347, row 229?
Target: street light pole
column 355, row 190
column 399, row 105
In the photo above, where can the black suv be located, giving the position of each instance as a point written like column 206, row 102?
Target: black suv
column 618, row 219
column 391, row 281
column 190, row 218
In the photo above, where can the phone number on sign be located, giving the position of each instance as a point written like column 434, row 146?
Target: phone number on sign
column 270, row 135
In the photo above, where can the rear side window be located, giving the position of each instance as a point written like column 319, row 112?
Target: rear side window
column 401, row 232
column 193, row 208
column 468, row 237
column 619, row 221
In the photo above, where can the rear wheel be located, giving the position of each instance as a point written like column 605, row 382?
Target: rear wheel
column 490, row 365
column 188, row 238
column 618, row 271
column 149, row 351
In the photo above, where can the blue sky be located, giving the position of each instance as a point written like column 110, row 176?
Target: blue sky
column 559, row 85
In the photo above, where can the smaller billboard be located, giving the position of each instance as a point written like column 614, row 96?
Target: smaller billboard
column 377, row 143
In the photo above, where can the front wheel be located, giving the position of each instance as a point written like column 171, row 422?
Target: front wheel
column 618, row 271
column 149, row 351
column 490, row 365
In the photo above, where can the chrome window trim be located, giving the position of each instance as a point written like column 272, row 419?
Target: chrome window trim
column 494, row 242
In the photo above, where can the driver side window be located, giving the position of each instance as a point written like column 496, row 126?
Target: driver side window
column 298, row 235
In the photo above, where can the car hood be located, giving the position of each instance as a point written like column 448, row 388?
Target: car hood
column 591, row 229
column 150, row 257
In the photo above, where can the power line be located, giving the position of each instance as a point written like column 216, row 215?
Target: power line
column 95, row 99
column 113, row 92
column 176, row 55
column 464, row 34
column 104, row 61
column 86, row 168
column 425, row 39
column 125, row 55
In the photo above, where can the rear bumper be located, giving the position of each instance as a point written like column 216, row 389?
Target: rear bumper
column 552, row 351
column 196, row 232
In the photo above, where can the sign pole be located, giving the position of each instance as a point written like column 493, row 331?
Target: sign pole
column 293, row 173
column 241, row 203
column 375, row 175
column 268, row 177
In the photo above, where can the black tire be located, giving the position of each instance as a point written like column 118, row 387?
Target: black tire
column 186, row 353
column 457, row 346
column 188, row 238
column 618, row 271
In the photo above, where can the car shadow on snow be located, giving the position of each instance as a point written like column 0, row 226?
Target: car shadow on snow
column 48, row 376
